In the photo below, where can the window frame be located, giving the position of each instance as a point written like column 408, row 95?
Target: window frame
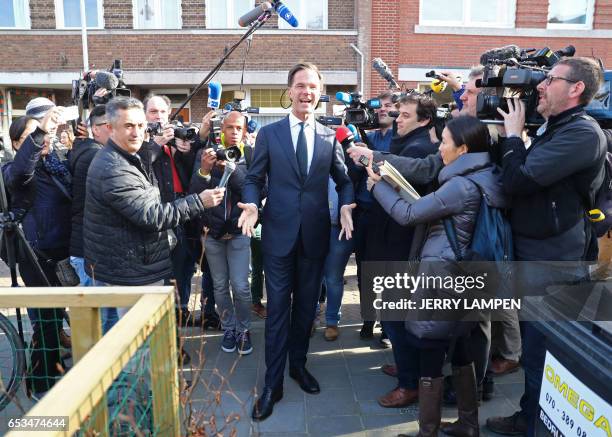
column 230, row 5
column 59, row 16
column 28, row 20
column 136, row 26
column 590, row 16
column 302, row 12
column 466, row 22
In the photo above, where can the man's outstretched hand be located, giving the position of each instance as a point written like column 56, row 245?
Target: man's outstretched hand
column 248, row 218
column 346, row 221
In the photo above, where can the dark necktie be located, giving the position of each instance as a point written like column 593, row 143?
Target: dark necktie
column 301, row 152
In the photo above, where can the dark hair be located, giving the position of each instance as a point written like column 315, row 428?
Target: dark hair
column 385, row 95
column 302, row 66
column 587, row 71
column 166, row 100
column 470, row 131
column 18, row 127
column 96, row 114
column 425, row 106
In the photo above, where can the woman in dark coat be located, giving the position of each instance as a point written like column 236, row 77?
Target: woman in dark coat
column 468, row 172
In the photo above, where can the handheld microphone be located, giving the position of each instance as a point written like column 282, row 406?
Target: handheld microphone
column 106, row 80
column 227, row 172
column 384, row 70
column 285, row 13
column 252, row 126
column 345, row 98
column 248, row 18
column 214, row 95
column 354, row 131
column 501, row 53
column 345, row 137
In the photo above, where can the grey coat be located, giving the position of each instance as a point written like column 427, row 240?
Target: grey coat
column 458, row 197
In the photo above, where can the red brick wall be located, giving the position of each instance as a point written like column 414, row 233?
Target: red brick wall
column 194, row 16
column 341, row 14
column 395, row 41
column 42, row 14
column 118, row 14
column 168, row 52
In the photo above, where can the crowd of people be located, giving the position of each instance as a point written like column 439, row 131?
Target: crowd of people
column 129, row 206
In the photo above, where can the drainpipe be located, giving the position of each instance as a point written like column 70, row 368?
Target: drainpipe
column 362, row 78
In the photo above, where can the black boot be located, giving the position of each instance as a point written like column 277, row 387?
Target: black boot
column 464, row 381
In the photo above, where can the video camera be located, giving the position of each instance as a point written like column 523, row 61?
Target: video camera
column 83, row 90
column 511, row 72
column 359, row 113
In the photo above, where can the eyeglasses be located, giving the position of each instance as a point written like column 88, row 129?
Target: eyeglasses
column 101, row 124
column 550, row 78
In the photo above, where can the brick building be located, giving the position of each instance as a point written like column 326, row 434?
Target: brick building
column 415, row 36
column 168, row 46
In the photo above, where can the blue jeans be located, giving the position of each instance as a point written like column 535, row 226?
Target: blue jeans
column 532, row 359
column 333, row 273
column 229, row 265
column 405, row 355
column 109, row 315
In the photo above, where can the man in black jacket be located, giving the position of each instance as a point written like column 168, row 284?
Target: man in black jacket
column 553, row 183
column 227, row 250
column 125, row 222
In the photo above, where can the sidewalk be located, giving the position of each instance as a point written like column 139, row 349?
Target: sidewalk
column 348, row 371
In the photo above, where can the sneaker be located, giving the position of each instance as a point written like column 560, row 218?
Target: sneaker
column 229, row 341
column 245, row 346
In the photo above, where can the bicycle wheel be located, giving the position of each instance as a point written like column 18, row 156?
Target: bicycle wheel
column 12, row 361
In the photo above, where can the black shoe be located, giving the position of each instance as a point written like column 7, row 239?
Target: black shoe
column 211, row 321
column 265, row 404
column 367, row 330
column 384, row 340
column 307, row 382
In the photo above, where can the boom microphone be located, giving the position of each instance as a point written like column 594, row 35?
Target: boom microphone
column 214, row 95
column 567, row 51
column 502, row 53
column 384, row 70
column 248, row 18
column 285, row 13
column 106, row 80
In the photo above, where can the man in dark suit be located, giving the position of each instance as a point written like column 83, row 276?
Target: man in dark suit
column 297, row 155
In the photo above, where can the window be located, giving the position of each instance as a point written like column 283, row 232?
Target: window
column 68, row 14
column 157, row 14
column 15, row 14
column 468, row 13
column 570, row 14
column 224, row 14
column 268, row 98
column 311, row 14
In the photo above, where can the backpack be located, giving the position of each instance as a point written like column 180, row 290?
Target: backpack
column 491, row 239
column 600, row 214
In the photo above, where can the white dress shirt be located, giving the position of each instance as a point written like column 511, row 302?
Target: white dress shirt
column 309, row 132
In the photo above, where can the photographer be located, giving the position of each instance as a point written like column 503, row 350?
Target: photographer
column 380, row 140
column 172, row 160
column 227, row 250
column 39, row 192
column 553, row 183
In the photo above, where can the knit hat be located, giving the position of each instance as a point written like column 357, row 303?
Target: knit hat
column 37, row 108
